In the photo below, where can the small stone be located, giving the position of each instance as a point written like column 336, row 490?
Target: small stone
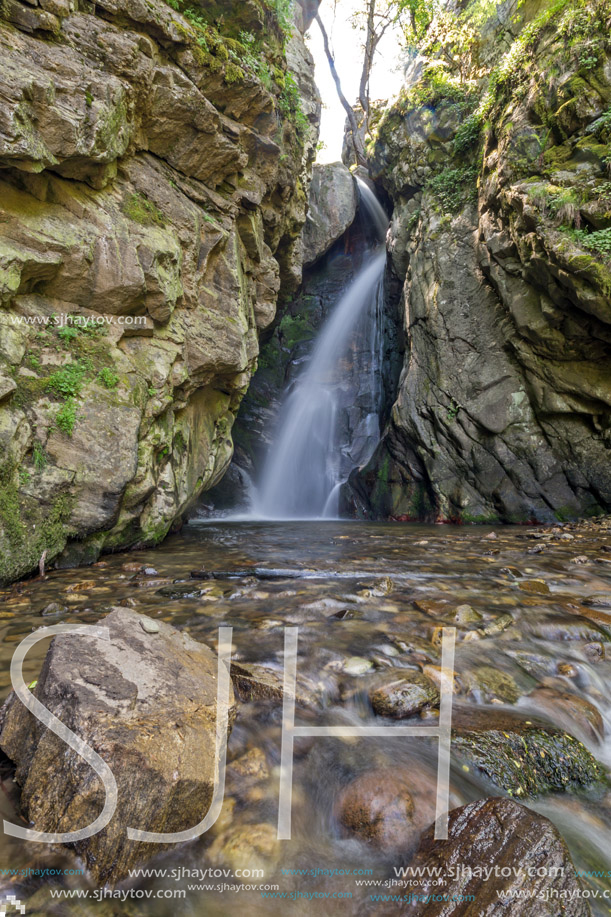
column 598, row 600
column 536, row 549
column 131, row 567
column 150, row 571
column 568, row 670
column 356, row 665
column 511, row 572
column 465, row 614
column 82, row 587
column 534, row 586
column 580, row 559
column 379, row 808
column 53, row 608
column 150, row 627
column 595, row 652
column 407, row 693
column 491, row 536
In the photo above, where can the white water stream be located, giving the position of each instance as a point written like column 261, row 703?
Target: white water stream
column 304, row 470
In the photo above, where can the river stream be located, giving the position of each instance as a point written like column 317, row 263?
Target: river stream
column 365, row 597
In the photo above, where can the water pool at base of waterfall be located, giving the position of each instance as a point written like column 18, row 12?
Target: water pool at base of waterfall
column 367, row 599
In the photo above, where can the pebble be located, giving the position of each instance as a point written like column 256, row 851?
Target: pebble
column 150, row 627
column 598, row 600
column 536, row 549
column 534, row 586
column 580, row 559
column 150, row 571
column 53, row 608
column 568, row 670
column 356, row 665
column 595, row 652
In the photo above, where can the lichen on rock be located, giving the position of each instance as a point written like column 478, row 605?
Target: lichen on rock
column 151, row 204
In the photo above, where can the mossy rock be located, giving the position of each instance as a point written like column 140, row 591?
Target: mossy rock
column 525, row 757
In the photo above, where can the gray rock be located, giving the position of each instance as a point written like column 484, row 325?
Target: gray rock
column 147, row 705
column 332, row 207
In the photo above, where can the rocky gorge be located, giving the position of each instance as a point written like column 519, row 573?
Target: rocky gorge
column 172, row 264
column 154, row 180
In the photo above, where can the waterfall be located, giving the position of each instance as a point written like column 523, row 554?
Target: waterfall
column 318, row 440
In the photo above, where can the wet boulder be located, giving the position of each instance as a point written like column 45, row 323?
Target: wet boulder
column 145, row 701
column 379, row 808
column 387, row 807
column 522, row 754
column 511, row 860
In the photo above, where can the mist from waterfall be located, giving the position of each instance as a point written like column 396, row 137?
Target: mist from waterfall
column 314, row 443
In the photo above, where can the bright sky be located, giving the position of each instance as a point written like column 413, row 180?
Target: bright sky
column 347, row 44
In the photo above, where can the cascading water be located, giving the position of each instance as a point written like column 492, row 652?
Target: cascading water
column 321, row 433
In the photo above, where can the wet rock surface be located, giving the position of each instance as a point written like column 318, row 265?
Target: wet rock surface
column 371, row 602
column 156, row 189
column 146, row 702
column 498, row 834
column 506, row 310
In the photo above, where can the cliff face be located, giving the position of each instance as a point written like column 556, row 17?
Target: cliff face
column 154, row 170
column 502, row 235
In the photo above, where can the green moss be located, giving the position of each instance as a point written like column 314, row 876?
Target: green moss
column 141, row 210
column 46, row 528
column 480, row 518
column 531, row 761
column 233, row 74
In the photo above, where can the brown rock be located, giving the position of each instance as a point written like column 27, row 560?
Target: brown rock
column 147, row 704
column 494, row 835
column 378, row 807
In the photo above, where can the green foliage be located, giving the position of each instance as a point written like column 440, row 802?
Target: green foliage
column 139, row 209
column 452, row 188
column 66, row 417
column 283, row 10
column 467, row 134
column 108, row 378
column 68, row 381
column 39, row 456
column 598, row 241
column 601, row 128
column 68, row 333
column 289, row 104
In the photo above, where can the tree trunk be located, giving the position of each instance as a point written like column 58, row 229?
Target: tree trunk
column 354, row 128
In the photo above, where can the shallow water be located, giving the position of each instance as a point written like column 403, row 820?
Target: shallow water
column 350, row 588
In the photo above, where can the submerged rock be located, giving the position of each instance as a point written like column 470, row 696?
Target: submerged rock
column 497, row 849
column 146, row 702
column 378, row 807
column 406, row 694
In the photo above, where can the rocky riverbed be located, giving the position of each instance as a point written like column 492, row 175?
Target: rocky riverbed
column 532, row 612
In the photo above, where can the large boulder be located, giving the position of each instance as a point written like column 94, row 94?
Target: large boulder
column 511, row 860
column 146, row 703
column 332, row 208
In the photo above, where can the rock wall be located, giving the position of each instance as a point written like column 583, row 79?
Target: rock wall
column 154, row 171
column 501, row 234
